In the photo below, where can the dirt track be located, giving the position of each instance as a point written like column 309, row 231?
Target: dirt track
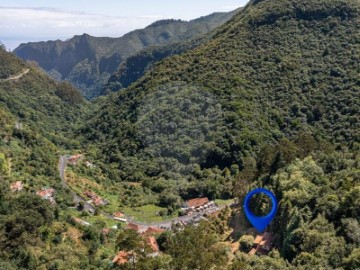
column 16, row 77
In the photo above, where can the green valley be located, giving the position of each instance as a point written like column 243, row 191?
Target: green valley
column 154, row 176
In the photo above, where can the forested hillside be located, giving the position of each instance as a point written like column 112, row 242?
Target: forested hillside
column 137, row 65
column 48, row 108
column 36, row 118
column 271, row 100
column 272, row 72
column 88, row 62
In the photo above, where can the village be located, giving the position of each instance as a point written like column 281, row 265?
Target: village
column 192, row 213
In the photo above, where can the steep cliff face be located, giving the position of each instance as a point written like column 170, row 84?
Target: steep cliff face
column 134, row 67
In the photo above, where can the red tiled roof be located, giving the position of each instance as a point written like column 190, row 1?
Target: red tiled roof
column 75, row 157
column 45, row 192
column 151, row 241
column 41, row 193
column 118, row 214
column 89, row 193
column 105, row 231
column 134, row 227
column 262, row 244
column 258, row 239
column 263, row 239
column 121, row 258
column 152, row 230
column 17, row 186
column 97, row 201
column 252, row 251
column 197, row 202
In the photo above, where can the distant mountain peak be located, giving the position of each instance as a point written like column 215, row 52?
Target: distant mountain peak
column 88, row 62
column 164, row 22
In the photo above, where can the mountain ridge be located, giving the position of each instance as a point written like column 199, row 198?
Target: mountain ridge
column 88, row 61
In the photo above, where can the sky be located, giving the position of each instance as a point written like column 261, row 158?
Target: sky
column 42, row 20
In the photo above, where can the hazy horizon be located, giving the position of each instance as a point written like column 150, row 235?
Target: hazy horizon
column 31, row 21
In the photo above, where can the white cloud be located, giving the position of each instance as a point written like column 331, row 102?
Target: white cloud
column 32, row 23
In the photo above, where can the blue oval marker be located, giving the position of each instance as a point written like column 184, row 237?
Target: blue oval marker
column 260, row 223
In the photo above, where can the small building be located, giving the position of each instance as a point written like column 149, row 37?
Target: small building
column 153, row 245
column 105, row 231
column 135, row 227
column 121, row 258
column 262, row 244
column 95, row 199
column 89, row 164
column 196, row 203
column 152, row 231
column 81, row 222
column 98, row 201
column 17, row 186
column 252, row 252
column 89, row 193
column 47, row 194
column 120, row 219
column 73, row 160
column 138, row 228
column 119, row 214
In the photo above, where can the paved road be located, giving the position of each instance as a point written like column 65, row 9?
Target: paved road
column 77, row 198
column 16, row 77
column 62, row 167
column 161, row 224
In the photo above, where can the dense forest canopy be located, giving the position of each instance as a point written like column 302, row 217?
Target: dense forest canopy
column 272, row 79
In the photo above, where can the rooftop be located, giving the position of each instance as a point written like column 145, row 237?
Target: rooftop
column 17, row 186
column 119, row 214
column 151, row 241
column 263, row 239
column 76, row 156
column 45, row 192
column 197, row 202
column 152, row 231
column 262, row 244
column 121, row 258
column 134, row 227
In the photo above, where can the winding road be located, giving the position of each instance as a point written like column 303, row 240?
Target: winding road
column 77, row 198
column 161, row 224
column 16, row 77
